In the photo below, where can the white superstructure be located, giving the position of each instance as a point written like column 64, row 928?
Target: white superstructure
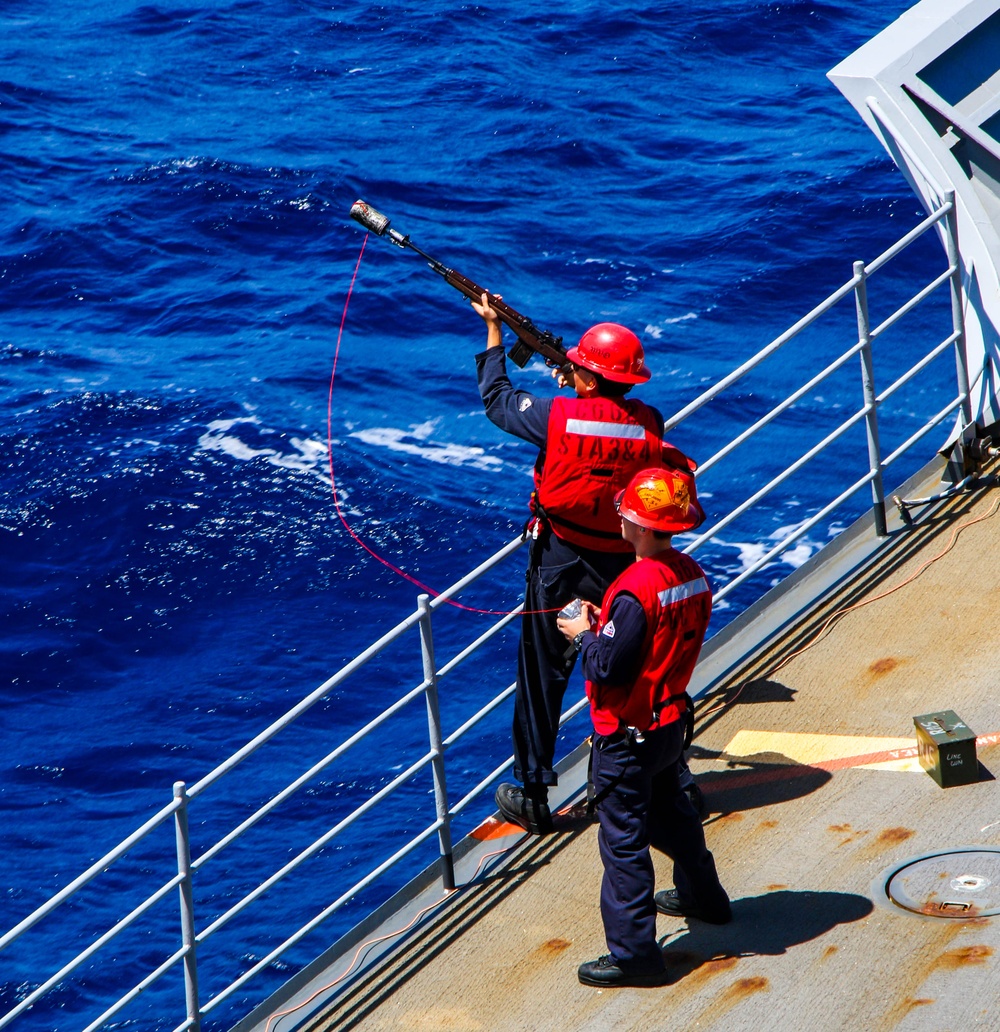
column 928, row 86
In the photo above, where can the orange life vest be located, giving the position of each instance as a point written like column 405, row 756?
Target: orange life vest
column 594, row 446
column 677, row 601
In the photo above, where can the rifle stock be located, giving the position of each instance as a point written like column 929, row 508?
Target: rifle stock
column 530, row 339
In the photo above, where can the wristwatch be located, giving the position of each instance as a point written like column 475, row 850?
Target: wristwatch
column 578, row 641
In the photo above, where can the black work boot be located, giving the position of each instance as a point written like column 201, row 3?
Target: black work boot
column 668, row 902
column 608, row 973
column 526, row 807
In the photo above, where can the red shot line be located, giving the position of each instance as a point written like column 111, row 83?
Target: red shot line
column 333, row 480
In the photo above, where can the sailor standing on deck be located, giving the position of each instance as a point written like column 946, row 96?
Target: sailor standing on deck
column 638, row 653
column 590, row 446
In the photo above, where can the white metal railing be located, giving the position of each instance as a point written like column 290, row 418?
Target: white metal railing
column 857, row 285
column 192, row 941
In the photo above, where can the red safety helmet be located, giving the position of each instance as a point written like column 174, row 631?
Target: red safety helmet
column 613, row 351
column 662, row 498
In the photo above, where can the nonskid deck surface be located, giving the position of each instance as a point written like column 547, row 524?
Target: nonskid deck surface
column 815, row 795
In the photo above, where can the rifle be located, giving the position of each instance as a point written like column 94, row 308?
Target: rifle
column 530, row 339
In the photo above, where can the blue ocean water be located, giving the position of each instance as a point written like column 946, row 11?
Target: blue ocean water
column 175, row 254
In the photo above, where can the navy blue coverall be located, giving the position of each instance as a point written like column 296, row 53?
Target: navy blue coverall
column 557, row 573
column 640, row 804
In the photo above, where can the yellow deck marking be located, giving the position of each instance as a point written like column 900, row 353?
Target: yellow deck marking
column 798, row 748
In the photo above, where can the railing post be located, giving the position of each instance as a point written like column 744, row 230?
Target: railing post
column 437, row 743
column 868, row 385
column 187, row 907
column 957, row 313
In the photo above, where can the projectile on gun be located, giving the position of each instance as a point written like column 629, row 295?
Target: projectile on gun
column 530, row 339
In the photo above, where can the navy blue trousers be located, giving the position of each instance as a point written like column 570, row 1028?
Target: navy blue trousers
column 639, row 804
column 557, row 573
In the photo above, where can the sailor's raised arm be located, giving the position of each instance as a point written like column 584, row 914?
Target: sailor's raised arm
column 494, row 327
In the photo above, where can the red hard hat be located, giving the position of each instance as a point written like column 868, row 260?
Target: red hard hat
column 613, row 351
column 661, row 498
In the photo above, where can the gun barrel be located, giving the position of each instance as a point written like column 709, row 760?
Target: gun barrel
column 369, row 218
column 530, row 339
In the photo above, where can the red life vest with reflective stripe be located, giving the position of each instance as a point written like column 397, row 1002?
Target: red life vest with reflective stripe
column 677, row 601
column 593, row 448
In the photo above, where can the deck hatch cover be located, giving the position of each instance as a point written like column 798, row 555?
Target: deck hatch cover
column 960, row 884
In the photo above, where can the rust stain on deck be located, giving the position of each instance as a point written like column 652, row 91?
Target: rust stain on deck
column 693, row 970
column 851, row 834
column 729, row 818
column 748, row 986
column 554, row 947
column 730, row 997
column 922, row 1002
column 893, row 836
column 913, row 976
column 885, row 840
column 952, row 960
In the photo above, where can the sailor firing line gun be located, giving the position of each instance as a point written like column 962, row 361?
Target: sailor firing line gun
column 590, row 446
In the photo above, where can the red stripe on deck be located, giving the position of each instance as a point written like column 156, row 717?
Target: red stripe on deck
column 492, row 828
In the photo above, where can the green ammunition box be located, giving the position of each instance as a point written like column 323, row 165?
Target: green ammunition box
column 947, row 748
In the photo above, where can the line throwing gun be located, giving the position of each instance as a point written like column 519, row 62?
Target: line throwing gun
column 530, row 339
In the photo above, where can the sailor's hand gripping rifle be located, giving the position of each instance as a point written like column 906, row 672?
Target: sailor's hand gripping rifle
column 530, row 339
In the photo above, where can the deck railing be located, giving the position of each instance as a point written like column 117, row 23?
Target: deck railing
column 191, row 941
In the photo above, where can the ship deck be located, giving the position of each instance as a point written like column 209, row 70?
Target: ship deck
column 805, row 748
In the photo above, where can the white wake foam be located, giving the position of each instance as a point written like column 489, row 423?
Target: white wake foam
column 307, row 456
column 418, row 441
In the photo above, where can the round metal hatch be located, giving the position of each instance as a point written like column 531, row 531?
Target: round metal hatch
column 957, row 884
